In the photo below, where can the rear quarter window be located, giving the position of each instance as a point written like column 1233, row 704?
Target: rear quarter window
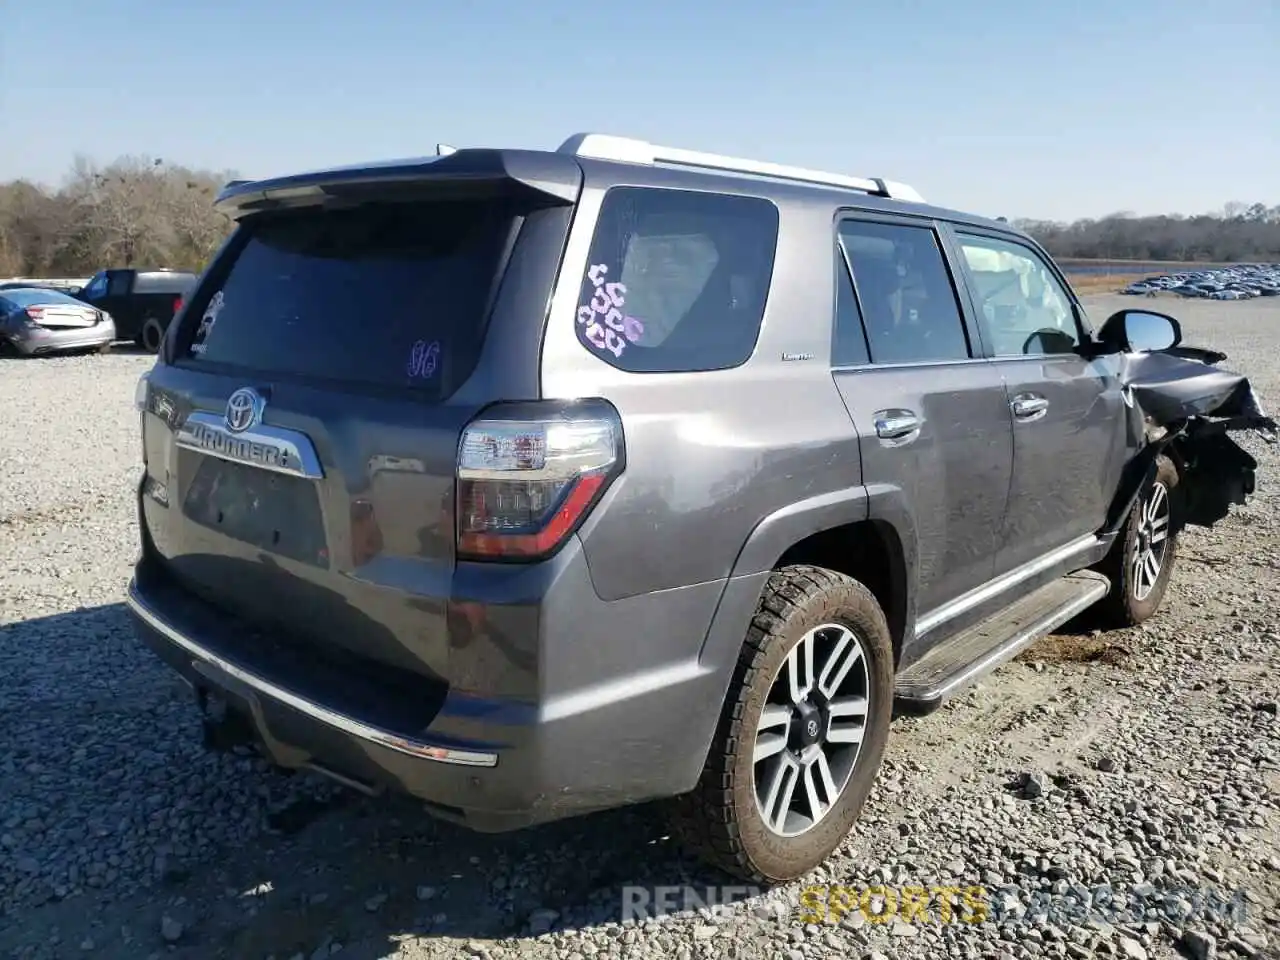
column 391, row 296
column 677, row 280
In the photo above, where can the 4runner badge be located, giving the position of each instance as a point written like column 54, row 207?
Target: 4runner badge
column 244, row 410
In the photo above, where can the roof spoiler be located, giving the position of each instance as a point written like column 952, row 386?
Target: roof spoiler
column 532, row 175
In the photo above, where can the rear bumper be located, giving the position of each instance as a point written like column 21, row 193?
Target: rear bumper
column 32, row 341
column 205, row 665
column 624, row 710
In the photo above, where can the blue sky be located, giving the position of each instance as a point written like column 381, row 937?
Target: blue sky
column 1047, row 109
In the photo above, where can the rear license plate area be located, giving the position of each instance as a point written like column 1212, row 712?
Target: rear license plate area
column 273, row 512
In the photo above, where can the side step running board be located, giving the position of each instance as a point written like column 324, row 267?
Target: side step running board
column 959, row 661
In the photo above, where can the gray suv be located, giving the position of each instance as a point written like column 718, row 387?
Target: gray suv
column 535, row 483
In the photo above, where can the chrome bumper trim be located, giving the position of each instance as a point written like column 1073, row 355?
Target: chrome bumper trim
column 317, row 711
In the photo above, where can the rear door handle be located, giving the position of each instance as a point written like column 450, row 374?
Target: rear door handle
column 1029, row 406
column 896, row 424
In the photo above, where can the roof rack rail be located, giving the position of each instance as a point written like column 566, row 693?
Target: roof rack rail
column 602, row 146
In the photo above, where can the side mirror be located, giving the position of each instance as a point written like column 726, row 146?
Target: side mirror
column 1140, row 331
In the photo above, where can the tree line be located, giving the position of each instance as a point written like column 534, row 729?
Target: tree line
column 1239, row 233
column 143, row 211
column 136, row 211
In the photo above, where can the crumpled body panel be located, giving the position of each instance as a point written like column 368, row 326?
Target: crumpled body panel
column 1180, row 384
column 1183, row 405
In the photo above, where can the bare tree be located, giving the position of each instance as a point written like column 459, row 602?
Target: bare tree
column 124, row 210
column 135, row 211
column 1240, row 232
column 31, row 223
column 188, row 199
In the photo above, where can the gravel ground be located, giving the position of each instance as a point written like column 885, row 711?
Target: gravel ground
column 1112, row 795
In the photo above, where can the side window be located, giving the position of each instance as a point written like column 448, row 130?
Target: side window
column 118, row 283
column 850, row 344
column 904, row 289
column 677, row 280
column 96, row 287
column 1023, row 308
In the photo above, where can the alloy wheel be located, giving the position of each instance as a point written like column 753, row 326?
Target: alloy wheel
column 811, row 729
column 1152, row 542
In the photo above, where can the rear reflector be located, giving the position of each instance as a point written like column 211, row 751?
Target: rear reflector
column 529, row 474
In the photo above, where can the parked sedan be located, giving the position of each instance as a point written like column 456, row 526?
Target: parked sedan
column 39, row 321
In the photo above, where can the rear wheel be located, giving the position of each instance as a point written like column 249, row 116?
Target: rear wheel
column 1141, row 561
column 151, row 334
column 802, row 732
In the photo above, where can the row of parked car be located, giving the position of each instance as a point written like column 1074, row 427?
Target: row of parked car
column 43, row 317
column 1240, row 282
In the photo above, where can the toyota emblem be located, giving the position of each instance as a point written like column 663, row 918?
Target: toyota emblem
column 244, row 409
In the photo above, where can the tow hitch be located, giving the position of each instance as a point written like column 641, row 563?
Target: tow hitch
column 224, row 729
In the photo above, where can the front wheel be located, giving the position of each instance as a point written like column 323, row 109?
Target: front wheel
column 802, row 731
column 1141, row 561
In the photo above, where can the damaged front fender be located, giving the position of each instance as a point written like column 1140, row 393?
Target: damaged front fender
column 1181, row 404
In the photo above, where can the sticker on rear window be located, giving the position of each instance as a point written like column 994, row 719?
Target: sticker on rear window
column 604, row 323
column 423, row 359
column 207, row 320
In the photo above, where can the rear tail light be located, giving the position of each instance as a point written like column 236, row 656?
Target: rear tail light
column 35, row 314
column 529, row 474
column 177, row 304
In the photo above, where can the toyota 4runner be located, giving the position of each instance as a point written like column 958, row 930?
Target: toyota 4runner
column 539, row 483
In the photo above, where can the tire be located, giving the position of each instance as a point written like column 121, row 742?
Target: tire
column 1135, row 597
column 723, row 818
column 150, row 335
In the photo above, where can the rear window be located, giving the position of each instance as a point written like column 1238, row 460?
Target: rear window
column 393, row 295
column 677, row 280
column 31, row 297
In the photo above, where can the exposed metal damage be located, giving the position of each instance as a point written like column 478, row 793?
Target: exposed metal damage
column 1183, row 405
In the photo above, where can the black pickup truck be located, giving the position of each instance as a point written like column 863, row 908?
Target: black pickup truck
column 142, row 302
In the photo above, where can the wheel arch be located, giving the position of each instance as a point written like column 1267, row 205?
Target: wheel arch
column 1137, row 473
column 871, row 552
column 865, row 532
